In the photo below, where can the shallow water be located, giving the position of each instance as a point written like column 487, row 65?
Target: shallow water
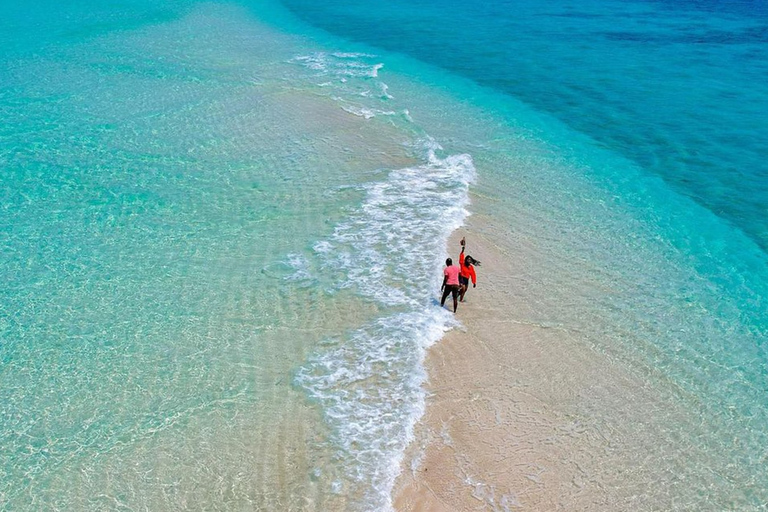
column 222, row 231
column 184, row 203
column 679, row 88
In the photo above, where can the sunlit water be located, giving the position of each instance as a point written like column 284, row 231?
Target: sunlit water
column 221, row 238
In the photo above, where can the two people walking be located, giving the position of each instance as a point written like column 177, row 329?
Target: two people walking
column 456, row 279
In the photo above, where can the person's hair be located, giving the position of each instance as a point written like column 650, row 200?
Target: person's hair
column 449, row 262
column 469, row 260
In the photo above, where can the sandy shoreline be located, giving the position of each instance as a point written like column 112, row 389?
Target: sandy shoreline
column 485, row 440
column 516, row 412
column 468, row 450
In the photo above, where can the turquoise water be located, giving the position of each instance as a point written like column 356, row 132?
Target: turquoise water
column 207, row 209
column 679, row 88
column 184, row 199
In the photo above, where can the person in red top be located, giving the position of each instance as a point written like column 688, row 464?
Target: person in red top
column 467, row 270
column 450, row 283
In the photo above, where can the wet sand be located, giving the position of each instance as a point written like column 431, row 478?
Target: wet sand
column 488, row 439
column 530, row 416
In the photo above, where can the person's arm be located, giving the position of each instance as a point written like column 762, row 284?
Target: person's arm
column 445, row 280
column 474, row 277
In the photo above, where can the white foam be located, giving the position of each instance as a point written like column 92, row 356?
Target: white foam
column 295, row 268
column 341, row 64
column 375, row 70
column 384, row 90
column 300, row 266
column 390, row 250
column 407, row 217
column 359, row 111
column 352, row 55
column 370, row 390
column 367, row 113
column 352, row 78
column 322, row 246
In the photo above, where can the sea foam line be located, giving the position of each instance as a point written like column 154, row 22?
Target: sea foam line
column 369, row 385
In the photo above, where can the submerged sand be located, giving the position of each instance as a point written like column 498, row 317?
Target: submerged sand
column 528, row 416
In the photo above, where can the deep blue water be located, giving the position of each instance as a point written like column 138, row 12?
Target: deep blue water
column 680, row 88
column 155, row 155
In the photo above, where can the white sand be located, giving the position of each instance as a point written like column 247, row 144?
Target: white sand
column 521, row 415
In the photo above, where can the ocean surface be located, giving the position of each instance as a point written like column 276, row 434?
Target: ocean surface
column 222, row 226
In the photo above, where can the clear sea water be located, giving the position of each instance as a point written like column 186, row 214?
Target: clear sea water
column 206, row 208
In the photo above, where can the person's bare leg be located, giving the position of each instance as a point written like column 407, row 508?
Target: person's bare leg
column 462, row 292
